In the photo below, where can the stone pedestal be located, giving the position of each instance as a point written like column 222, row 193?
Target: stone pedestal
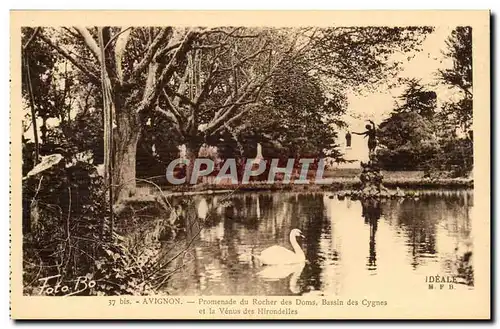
column 372, row 180
column 371, row 183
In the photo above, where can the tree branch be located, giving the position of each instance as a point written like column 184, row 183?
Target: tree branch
column 182, row 97
column 236, row 117
column 245, row 59
column 84, row 108
column 119, row 35
column 89, row 41
column 120, row 45
column 232, row 34
column 168, row 48
column 25, row 46
column 180, row 53
column 219, row 120
column 213, row 71
column 173, row 108
column 70, row 58
column 73, row 33
column 160, row 38
column 151, row 94
column 182, row 87
column 169, row 115
column 227, row 102
column 205, row 90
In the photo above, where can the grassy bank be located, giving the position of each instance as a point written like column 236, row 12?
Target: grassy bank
column 343, row 179
column 401, row 179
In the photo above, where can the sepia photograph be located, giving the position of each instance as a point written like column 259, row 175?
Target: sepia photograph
column 331, row 165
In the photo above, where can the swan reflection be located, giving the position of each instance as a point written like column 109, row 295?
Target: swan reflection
column 278, row 272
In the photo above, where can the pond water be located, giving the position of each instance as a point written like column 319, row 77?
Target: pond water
column 350, row 246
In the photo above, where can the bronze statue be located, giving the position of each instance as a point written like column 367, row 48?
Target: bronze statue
column 372, row 138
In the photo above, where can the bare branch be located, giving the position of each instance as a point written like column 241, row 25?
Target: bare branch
column 232, row 33
column 118, row 35
column 182, row 88
column 31, row 38
column 168, row 48
column 89, row 41
column 207, row 84
column 160, row 38
column 215, row 46
column 205, row 90
column 91, row 75
column 224, row 115
column 225, row 112
column 237, row 116
column 245, row 59
column 231, row 97
column 180, row 53
column 151, row 94
column 183, row 98
column 173, row 108
column 87, row 59
column 73, row 33
column 121, row 43
column 169, row 115
column 85, row 106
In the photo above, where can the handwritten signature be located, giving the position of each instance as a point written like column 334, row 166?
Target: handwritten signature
column 82, row 283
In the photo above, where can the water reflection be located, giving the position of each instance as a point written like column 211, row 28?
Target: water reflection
column 371, row 213
column 291, row 272
column 406, row 239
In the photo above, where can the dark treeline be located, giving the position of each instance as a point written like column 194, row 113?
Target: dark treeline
column 419, row 134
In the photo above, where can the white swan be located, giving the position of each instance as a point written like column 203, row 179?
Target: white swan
column 278, row 255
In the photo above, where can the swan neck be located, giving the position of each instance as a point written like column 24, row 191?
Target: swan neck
column 298, row 250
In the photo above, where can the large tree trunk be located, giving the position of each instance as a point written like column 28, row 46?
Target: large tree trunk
column 126, row 137
column 192, row 151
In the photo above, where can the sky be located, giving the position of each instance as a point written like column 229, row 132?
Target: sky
column 378, row 104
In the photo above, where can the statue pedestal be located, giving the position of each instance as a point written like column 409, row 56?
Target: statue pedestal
column 371, row 180
column 371, row 184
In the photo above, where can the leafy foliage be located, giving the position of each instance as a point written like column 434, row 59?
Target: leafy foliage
column 419, row 136
column 409, row 142
column 459, row 50
column 66, row 234
column 417, row 98
column 456, row 156
column 63, row 209
column 157, row 146
column 363, row 56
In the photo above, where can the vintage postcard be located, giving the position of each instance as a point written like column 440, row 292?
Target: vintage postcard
column 250, row 165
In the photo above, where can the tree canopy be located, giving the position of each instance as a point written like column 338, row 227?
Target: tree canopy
column 219, row 86
column 419, row 135
column 459, row 77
